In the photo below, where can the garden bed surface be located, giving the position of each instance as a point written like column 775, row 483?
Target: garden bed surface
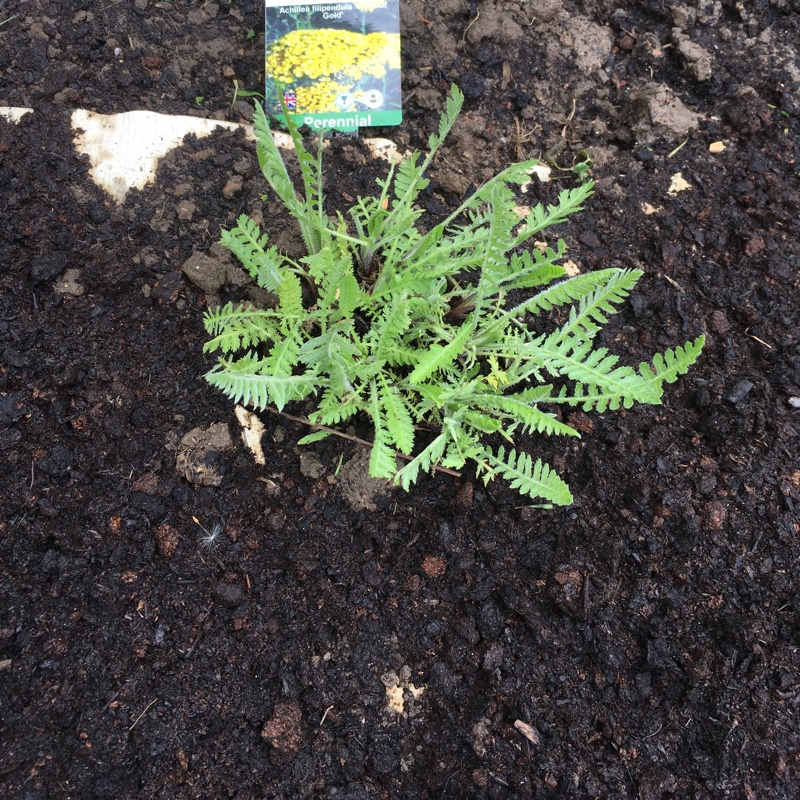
column 336, row 644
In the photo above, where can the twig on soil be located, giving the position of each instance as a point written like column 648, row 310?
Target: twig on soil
column 149, row 706
column 472, row 22
column 523, row 136
column 760, row 341
column 569, row 119
column 351, row 438
column 657, row 730
column 673, row 283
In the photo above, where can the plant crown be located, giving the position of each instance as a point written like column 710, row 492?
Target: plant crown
column 427, row 332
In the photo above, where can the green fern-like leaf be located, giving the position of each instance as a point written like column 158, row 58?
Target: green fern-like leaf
column 462, row 446
column 533, row 478
column 529, row 272
column 339, row 354
column 290, row 302
column 531, row 418
column 429, row 456
column 247, row 243
column 586, row 320
column 239, row 328
column 399, row 422
column 557, row 294
column 599, row 368
column 409, row 180
column 483, row 422
column 284, row 355
column 439, row 357
column 591, row 398
column 348, row 297
column 452, row 109
column 667, row 368
column 334, row 408
column 391, row 324
column 245, row 383
column 382, row 459
column 569, row 201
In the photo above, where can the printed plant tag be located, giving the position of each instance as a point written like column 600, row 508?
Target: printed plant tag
column 336, row 65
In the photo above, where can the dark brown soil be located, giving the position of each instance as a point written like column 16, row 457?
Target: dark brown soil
column 649, row 634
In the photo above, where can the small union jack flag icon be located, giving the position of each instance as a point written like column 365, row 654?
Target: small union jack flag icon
column 290, row 98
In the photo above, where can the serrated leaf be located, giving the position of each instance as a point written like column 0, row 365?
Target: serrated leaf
column 439, row 357
column 430, row 455
column 528, row 273
column 455, row 102
column 483, row 422
column 382, row 460
column 245, row 384
column 333, row 408
column 533, row 478
column 531, row 417
column 398, row 419
column 283, row 356
column 667, row 367
column 290, row 297
column 349, row 297
column 569, row 201
column 317, row 436
column 248, row 244
column 240, row 328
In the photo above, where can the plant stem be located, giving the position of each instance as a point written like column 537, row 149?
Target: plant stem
column 351, row 438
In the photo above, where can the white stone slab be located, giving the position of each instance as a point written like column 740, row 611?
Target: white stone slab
column 124, row 149
column 14, row 114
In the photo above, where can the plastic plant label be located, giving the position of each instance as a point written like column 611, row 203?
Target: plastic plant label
column 336, row 65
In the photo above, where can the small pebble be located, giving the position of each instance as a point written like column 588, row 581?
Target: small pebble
column 719, row 323
column 740, row 391
column 228, row 595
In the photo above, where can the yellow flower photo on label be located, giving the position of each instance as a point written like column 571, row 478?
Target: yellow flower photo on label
column 327, row 51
